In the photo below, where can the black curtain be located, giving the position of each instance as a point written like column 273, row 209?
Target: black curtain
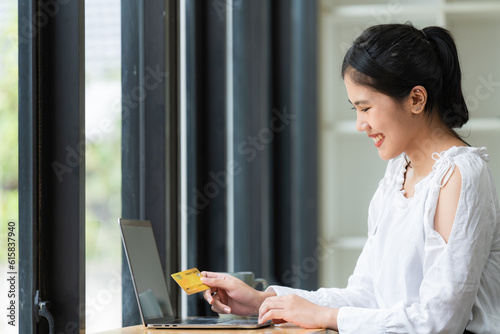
column 274, row 139
column 150, row 161
column 272, row 169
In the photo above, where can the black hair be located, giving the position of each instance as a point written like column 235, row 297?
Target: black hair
column 394, row 58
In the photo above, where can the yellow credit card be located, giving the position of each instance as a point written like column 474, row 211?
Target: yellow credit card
column 190, row 281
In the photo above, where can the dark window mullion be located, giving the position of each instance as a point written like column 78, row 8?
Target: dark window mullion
column 28, row 162
column 132, row 152
column 149, row 131
column 62, row 181
column 52, row 163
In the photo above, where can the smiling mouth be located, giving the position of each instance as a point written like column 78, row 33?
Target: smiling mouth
column 378, row 139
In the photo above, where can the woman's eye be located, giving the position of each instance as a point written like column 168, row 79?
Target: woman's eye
column 365, row 109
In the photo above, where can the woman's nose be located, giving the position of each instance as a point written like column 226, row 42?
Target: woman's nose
column 361, row 124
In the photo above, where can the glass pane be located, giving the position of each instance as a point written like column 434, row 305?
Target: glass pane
column 8, row 166
column 103, row 164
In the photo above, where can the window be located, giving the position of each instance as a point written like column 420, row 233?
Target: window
column 88, row 159
column 103, row 164
column 8, row 157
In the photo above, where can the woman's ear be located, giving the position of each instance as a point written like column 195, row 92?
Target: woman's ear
column 418, row 98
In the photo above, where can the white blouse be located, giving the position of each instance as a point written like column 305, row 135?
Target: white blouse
column 407, row 278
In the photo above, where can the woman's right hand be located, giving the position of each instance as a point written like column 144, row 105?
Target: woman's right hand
column 228, row 294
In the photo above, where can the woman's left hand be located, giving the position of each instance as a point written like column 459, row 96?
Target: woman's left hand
column 299, row 311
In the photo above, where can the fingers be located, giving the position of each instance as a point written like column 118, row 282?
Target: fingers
column 207, row 294
column 218, row 284
column 275, row 315
column 219, row 307
column 214, row 299
column 273, row 309
column 218, row 281
column 299, row 311
column 211, row 274
column 232, row 294
column 208, row 274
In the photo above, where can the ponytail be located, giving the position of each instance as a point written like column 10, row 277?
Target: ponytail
column 394, row 58
column 451, row 103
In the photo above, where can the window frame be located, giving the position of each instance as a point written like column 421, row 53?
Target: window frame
column 52, row 163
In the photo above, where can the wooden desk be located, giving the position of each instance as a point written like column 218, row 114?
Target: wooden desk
column 282, row 329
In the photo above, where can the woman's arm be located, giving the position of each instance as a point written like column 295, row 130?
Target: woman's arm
column 447, row 204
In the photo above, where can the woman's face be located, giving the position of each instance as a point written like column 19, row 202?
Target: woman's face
column 391, row 125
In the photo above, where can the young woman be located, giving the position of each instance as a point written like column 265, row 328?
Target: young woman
column 432, row 260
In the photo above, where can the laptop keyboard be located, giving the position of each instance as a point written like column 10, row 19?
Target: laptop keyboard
column 195, row 321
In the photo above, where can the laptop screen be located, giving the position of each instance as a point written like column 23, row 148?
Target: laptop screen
column 146, row 269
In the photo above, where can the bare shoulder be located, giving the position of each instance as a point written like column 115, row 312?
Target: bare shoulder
column 447, row 204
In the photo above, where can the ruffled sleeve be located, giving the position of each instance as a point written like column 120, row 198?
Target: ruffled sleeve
column 452, row 271
column 450, row 274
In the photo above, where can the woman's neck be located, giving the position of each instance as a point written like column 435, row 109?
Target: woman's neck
column 435, row 139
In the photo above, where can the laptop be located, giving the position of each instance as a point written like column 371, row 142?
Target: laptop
column 150, row 286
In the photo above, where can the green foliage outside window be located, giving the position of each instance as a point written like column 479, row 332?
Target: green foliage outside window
column 8, row 129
